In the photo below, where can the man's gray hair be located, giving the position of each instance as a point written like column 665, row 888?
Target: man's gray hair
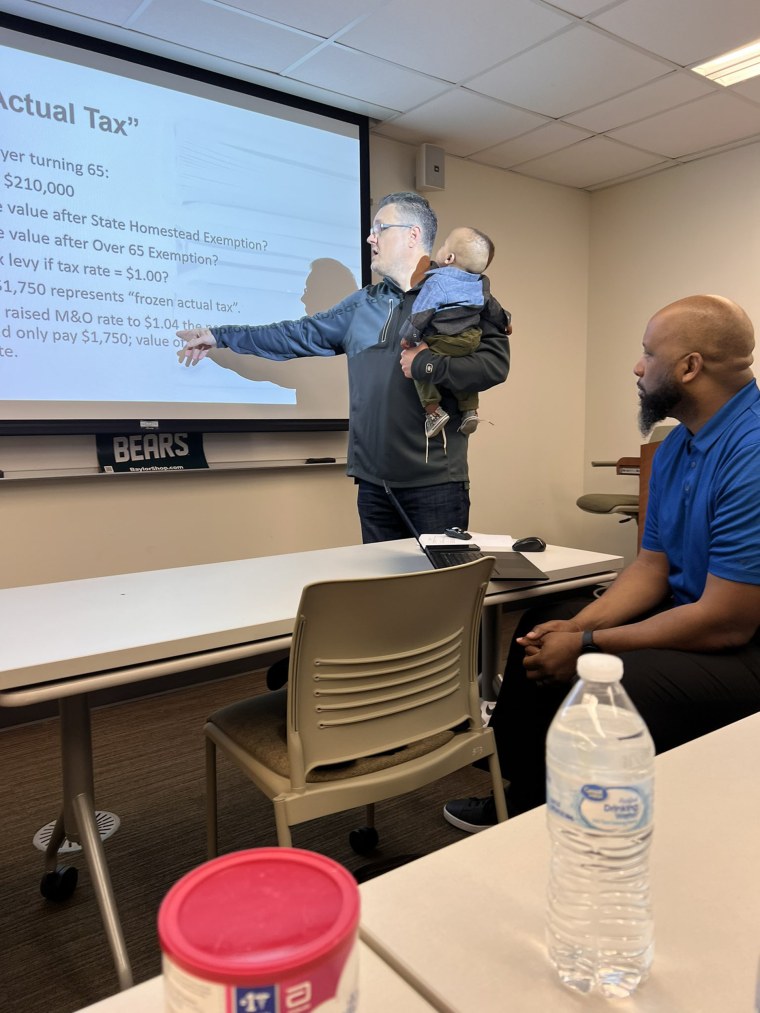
column 414, row 210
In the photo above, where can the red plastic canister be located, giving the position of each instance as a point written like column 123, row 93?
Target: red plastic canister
column 270, row 930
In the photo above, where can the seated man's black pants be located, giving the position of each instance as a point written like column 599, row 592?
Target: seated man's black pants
column 680, row 695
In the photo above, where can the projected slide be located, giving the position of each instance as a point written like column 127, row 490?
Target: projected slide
column 134, row 204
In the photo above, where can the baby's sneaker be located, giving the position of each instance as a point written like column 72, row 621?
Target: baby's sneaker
column 434, row 422
column 469, row 424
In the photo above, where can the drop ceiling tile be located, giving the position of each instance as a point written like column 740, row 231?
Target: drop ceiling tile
column 649, row 99
column 347, row 72
column 580, row 8
column 684, row 31
column 449, row 39
column 223, row 33
column 324, row 18
column 708, row 122
column 460, row 122
column 571, row 71
column 207, row 61
column 749, row 89
column 115, row 13
column 542, row 141
column 588, row 162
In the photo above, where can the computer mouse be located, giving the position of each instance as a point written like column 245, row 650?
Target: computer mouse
column 531, row 543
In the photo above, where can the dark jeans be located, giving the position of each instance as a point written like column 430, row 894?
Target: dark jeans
column 431, row 508
column 680, row 695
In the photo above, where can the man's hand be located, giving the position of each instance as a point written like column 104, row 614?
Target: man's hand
column 198, row 343
column 552, row 650
column 408, row 355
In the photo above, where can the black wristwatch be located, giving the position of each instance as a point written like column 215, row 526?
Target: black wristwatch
column 587, row 643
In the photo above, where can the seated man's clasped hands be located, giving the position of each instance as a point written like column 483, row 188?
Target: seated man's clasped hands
column 685, row 615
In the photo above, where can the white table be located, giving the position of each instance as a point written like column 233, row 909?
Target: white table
column 113, row 630
column 380, row 990
column 468, row 921
column 64, row 640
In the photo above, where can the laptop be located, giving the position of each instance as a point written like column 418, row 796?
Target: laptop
column 509, row 565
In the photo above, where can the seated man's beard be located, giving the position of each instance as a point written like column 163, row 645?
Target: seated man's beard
column 657, row 405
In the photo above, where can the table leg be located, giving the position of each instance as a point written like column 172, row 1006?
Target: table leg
column 101, row 881
column 57, row 837
column 80, row 824
column 76, row 758
column 490, row 650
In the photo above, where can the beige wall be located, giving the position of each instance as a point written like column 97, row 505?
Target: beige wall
column 581, row 274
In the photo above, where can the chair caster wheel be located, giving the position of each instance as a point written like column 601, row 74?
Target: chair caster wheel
column 59, row 885
column 364, row 840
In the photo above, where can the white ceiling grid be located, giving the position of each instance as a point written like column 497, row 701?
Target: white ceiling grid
column 583, row 93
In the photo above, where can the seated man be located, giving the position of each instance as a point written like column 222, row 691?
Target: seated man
column 685, row 615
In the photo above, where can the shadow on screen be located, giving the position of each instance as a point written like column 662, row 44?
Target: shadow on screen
column 327, row 283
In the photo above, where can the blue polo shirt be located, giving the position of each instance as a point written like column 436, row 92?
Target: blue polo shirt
column 704, row 499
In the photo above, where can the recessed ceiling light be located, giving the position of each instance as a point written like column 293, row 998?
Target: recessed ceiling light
column 732, row 67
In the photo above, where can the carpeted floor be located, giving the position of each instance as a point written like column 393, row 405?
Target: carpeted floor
column 149, row 770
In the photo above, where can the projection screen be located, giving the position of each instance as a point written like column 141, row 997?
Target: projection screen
column 139, row 197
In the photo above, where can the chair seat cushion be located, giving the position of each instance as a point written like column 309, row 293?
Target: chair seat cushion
column 608, row 503
column 258, row 725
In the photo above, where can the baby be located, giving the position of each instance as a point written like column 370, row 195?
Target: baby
column 446, row 315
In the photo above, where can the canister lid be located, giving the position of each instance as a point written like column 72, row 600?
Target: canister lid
column 258, row 914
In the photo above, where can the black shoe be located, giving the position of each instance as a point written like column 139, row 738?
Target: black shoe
column 471, row 814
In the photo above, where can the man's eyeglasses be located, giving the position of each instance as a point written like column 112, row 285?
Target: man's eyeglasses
column 380, row 227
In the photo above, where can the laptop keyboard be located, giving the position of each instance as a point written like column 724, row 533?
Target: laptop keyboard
column 456, row 557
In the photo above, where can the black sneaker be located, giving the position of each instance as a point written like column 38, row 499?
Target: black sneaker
column 471, row 814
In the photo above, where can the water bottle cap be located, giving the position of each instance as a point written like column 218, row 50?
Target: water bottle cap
column 600, row 668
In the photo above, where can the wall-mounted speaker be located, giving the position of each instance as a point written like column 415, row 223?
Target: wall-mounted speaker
column 431, row 167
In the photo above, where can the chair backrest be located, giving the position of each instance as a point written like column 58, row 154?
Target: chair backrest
column 659, row 433
column 378, row 663
column 647, row 452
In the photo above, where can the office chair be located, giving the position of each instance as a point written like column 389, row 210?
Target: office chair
column 610, row 503
column 381, row 699
column 630, row 507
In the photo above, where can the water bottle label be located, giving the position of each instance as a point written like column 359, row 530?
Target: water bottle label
column 608, row 808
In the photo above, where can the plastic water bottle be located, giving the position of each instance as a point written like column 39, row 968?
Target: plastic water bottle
column 600, row 767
